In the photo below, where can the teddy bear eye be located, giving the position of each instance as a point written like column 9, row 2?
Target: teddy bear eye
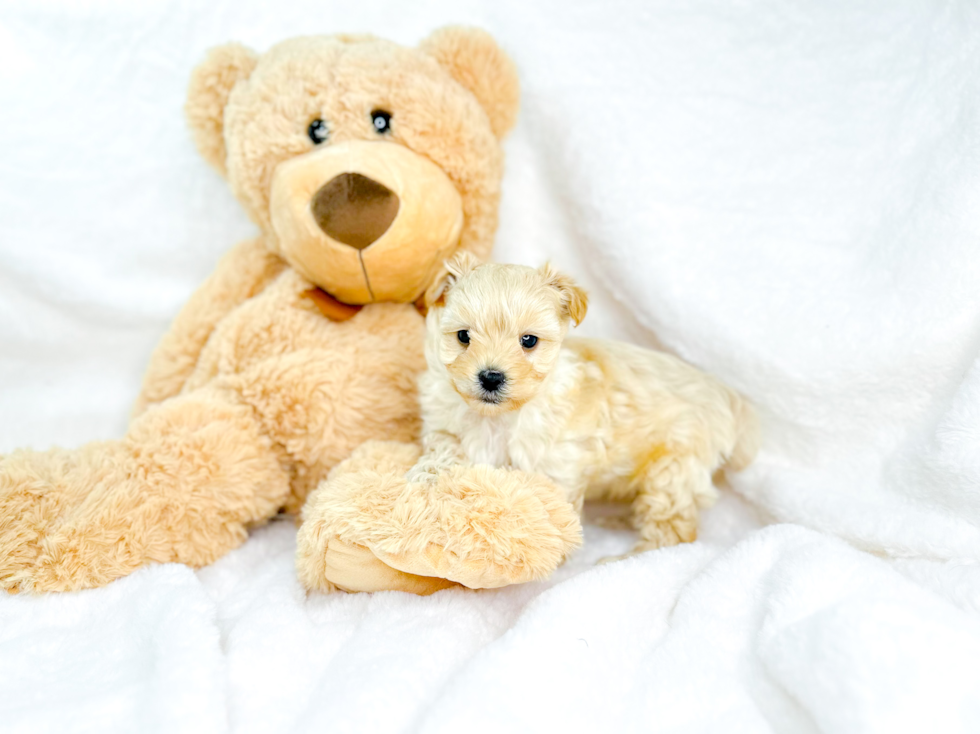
column 381, row 121
column 528, row 341
column 318, row 131
column 464, row 336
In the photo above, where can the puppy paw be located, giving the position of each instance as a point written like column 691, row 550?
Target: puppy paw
column 426, row 473
column 613, row 522
column 420, row 475
column 663, row 535
column 612, row 559
column 658, row 535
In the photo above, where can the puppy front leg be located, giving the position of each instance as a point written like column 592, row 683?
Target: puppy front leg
column 440, row 452
column 670, row 494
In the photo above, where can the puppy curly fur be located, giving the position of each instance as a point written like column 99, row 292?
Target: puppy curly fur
column 602, row 419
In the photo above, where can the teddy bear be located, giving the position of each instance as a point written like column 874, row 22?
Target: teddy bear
column 364, row 165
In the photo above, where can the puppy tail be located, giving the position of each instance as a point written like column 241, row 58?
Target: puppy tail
column 747, row 434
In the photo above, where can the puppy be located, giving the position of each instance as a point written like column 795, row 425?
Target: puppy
column 602, row 419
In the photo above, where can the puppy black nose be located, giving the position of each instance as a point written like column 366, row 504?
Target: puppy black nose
column 491, row 380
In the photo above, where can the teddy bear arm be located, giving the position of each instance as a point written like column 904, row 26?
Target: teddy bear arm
column 241, row 274
column 478, row 526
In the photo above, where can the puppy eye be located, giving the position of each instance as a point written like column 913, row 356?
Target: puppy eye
column 381, row 121
column 528, row 341
column 318, row 131
column 464, row 336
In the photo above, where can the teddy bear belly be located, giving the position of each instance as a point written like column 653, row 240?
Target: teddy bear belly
column 285, row 320
column 320, row 388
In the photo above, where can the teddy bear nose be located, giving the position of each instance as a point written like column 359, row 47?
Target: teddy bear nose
column 354, row 209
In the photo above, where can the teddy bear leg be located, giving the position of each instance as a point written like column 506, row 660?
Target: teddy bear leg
column 670, row 494
column 183, row 485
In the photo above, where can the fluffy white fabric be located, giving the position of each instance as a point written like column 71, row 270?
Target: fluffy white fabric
column 783, row 192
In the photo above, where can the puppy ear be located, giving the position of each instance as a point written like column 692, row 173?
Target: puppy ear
column 474, row 59
column 574, row 299
column 452, row 270
column 207, row 96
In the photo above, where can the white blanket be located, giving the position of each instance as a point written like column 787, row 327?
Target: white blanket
column 786, row 193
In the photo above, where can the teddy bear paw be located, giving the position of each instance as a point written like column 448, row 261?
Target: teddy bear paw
column 366, row 527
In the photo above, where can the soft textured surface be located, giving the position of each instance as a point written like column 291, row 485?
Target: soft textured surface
column 479, row 526
column 786, row 193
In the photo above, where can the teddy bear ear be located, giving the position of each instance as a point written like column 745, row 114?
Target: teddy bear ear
column 207, row 96
column 452, row 270
column 574, row 299
column 473, row 58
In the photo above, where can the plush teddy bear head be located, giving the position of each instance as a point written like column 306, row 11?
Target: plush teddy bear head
column 365, row 163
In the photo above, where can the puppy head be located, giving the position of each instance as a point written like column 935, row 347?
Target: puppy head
column 497, row 329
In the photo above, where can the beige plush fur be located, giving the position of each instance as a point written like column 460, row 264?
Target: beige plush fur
column 261, row 387
column 604, row 420
column 478, row 526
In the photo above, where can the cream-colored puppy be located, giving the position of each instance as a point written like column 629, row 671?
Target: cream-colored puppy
column 602, row 419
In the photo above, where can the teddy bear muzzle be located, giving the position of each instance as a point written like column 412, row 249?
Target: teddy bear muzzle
column 365, row 221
